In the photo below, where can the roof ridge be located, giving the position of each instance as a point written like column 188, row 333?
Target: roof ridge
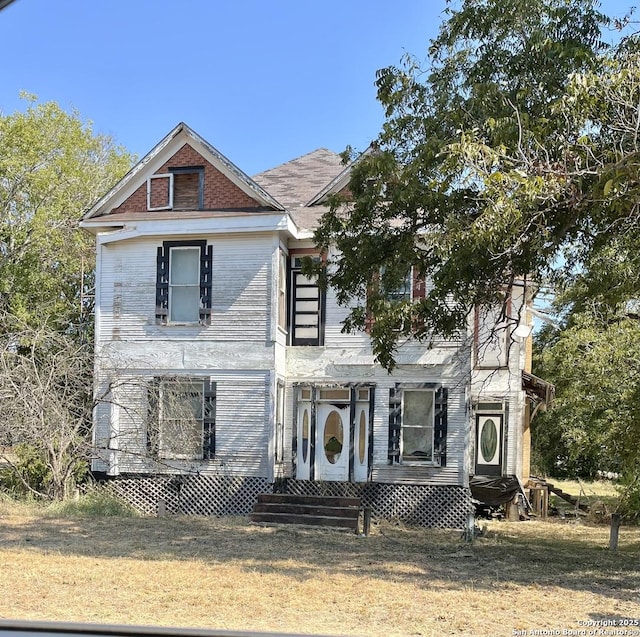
column 290, row 161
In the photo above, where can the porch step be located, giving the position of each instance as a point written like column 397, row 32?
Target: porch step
column 567, row 497
column 331, row 511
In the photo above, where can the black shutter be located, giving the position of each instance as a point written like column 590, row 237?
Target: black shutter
column 206, row 267
column 162, row 285
column 440, row 428
column 153, row 418
column 209, row 421
column 395, row 422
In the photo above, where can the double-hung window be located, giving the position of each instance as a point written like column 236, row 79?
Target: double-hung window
column 183, row 424
column 183, row 283
column 418, row 424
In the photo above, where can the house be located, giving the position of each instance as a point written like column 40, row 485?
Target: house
column 223, row 372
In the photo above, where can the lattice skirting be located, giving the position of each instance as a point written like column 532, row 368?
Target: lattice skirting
column 431, row 506
column 191, row 495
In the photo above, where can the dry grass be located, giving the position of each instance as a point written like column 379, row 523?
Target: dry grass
column 228, row 574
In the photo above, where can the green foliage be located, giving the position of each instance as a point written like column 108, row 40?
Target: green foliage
column 594, row 423
column 629, row 489
column 95, row 502
column 52, row 167
column 501, row 159
column 28, row 475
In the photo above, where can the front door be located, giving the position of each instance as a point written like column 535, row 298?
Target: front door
column 361, row 434
column 332, row 441
column 489, row 435
column 303, row 437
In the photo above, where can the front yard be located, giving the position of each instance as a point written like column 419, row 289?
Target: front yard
column 228, row 574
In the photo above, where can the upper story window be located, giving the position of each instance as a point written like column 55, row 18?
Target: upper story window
column 183, row 283
column 179, row 189
column 307, row 307
column 398, row 293
column 282, row 290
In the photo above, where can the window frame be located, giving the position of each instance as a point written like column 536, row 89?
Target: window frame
column 173, row 286
column 409, row 460
column 203, row 426
column 205, row 275
column 170, row 175
column 295, row 269
column 282, row 289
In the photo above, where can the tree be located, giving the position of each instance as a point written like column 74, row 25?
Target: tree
column 46, row 396
column 594, row 425
column 487, row 169
column 52, row 168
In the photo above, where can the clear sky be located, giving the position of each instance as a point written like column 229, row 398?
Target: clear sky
column 264, row 81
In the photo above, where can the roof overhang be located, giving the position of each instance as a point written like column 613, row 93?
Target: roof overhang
column 161, row 153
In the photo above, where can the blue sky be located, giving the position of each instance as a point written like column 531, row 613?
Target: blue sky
column 264, row 81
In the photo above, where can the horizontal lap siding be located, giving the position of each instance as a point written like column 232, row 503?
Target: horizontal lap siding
column 240, row 292
column 242, row 424
column 457, row 437
column 241, row 298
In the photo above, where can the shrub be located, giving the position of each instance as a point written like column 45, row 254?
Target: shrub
column 95, row 502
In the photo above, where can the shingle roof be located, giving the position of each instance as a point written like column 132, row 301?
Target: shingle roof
column 296, row 182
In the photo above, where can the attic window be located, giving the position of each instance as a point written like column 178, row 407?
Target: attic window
column 178, row 189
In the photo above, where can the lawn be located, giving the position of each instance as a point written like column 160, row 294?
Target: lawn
column 229, row 574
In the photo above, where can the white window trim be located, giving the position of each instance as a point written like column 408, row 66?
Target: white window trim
column 433, row 461
column 163, row 420
column 168, row 176
column 172, row 285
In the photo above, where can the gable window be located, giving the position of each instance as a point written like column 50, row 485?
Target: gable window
column 417, row 424
column 183, row 283
column 307, row 307
column 182, row 426
column 179, row 189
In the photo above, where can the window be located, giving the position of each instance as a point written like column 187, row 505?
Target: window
column 418, row 424
column 279, row 438
column 386, row 287
column 307, row 307
column 182, row 425
column 178, row 189
column 183, row 283
column 282, row 290
column 398, row 293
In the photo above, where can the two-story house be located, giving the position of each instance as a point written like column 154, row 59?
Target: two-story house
column 222, row 370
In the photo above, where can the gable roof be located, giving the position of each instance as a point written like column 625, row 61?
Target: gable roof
column 163, row 151
column 297, row 182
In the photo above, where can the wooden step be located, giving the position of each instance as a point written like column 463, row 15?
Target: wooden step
column 567, row 497
column 328, row 511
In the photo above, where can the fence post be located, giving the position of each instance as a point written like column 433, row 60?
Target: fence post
column 615, row 528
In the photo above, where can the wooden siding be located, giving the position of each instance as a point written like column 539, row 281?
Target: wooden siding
column 241, row 292
column 242, row 425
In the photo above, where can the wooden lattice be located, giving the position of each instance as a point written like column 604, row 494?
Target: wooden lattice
column 191, row 495
column 431, row 506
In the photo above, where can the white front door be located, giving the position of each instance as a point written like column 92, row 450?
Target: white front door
column 303, row 446
column 361, row 436
column 332, row 442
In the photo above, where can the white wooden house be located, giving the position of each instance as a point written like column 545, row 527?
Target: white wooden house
column 201, row 305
